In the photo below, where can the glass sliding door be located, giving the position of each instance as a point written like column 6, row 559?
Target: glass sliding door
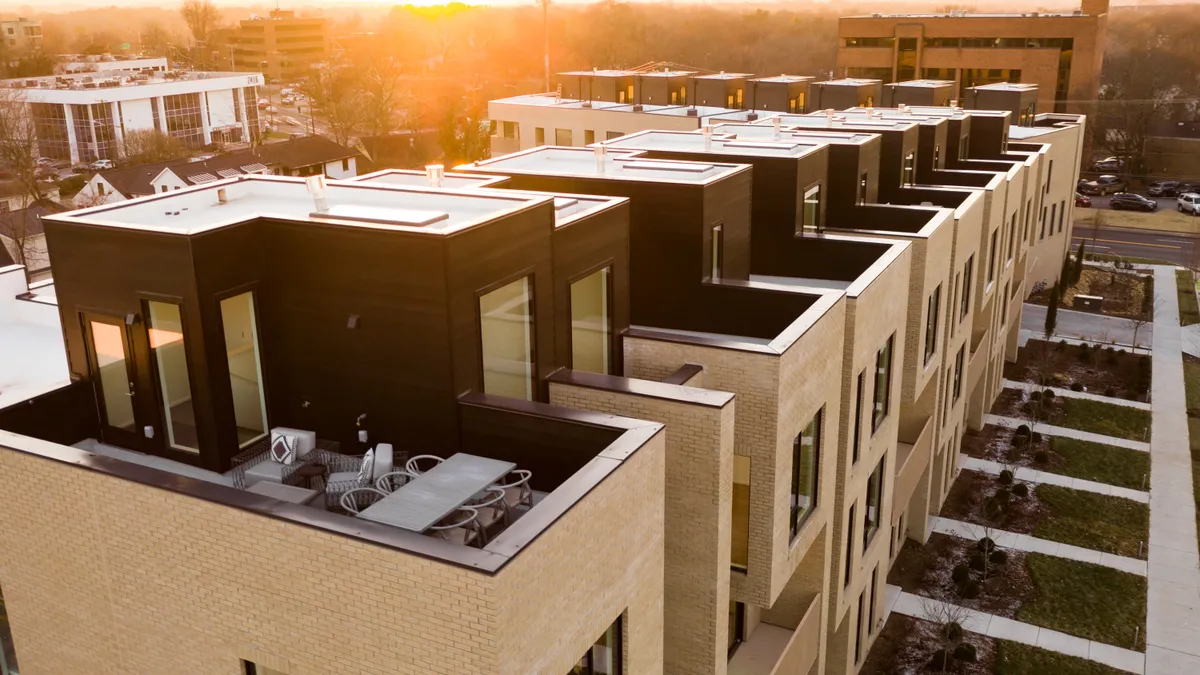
column 172, row 378
column 591, row 323
column 245, row 369
column 506, row 336
column 110, row 349
column 739, row 554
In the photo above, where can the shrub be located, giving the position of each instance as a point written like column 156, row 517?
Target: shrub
column 993, row 508
column 1062, row 344
column 1048, row 395
column 1006, row 477
column 1022, row 430
column 1111, row 359
column 1003, row 496
column 976, row 562
column 1076, row 386
column 965, row 651
column 953, row 631
column 969, row 590
column 940, row 662
column 1035, row 395
column 998, row 557
column 1085, row 357
column 1037, row 438
column 1110, row 392
column 1019, row 442
column 985, row 544
column 961, row 574
column 1021, row 489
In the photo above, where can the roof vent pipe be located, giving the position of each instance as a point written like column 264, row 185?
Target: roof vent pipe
column 707, row 131
column 316, row 188
column 829, row 117
column 870, row 111
column 954, row 103
column 600, row 151
column 221, row 196
column 435, row 174
column 775, row 127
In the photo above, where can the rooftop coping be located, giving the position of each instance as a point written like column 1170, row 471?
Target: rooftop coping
column 612, row 72
column 916, row 112
column 667, row 73
column 923, row 83
column 785, row 78
column 629, row 166
column 858, row 115
column 760, row 131
column 110, row 79
column 724, row 76
column 686, row 141
column 412, row 177
column 1007, row 86
column 393, row 207
column 820, row 121
column 852, row 82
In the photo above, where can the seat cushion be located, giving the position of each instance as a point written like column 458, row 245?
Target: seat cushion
column 343, row 477
column 383, row 461
column 267, row 470
column 306, row 441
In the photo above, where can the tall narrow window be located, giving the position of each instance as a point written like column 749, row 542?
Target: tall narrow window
column 737, row 627
column 8, row 655
column 862, row 187
column 883, row 384
column 992, row 256
column 506, row 333
column 954, row 302
column 858, row 628
column 849, row 548
column 1004, row 305
column 910, row 169
column 718, row 250
column 605, row 656
column 539, row 136
column 1042, row 231
column 968, row 272
column 958, row 371
column 932, row 311
column 1028, row 213
column 806, row 454
column 812, row 208
column 1012, row 237
column 871, row 606
column 937, row 154
column 1049, row 174
column 740, row 535
column 251, row 668
column 858, row 413
column 591, row 323
column 1053, row 212
column 874, row 504
column 245, row 370
column 1062, row 212
column 963, row 151
column 174, row 383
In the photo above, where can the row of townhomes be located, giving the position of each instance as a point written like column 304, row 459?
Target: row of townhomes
column 670, row 403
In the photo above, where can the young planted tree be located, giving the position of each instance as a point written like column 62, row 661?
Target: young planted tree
column 951, row 638
column 1077, row 271
column 1052, row 312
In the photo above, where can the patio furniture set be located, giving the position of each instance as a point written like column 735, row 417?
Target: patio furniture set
column 461, row 499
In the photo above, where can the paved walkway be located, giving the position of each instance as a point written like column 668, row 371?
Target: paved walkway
column 1068, row 393
column 1027, row 475
column 1086, row 325
column 1001, row 628
column 1173, row 609
column 1012, row 423
column 1024, row 336
column 1030, row 544
column 1191, row 339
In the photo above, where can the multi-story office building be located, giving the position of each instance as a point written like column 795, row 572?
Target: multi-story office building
column 82, row 63
column 83, row 117
column 1061, row 52
column 736, row 362
column 20, row 36
column 281, row 45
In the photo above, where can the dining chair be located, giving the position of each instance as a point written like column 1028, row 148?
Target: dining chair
column 517, row 491
column 390, row 482
column 351, row 499
column 463, row 531
column 492, row 507
column 414, row 465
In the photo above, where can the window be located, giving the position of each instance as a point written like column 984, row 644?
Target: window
column 345, row 165
column 812, row 208
column 1004, row 305
column 718, row 250
column 610, row 135
column 954, row 302
column 100, row 189
column 589, row 136
column 806, row 457
column 906, row 59
column 874, row 504
column 963, row 144
column 740, row 532
column 910, row 169
column 164, row 188
column 1062, row 212
column 968, row 272
column 937, row 153
column 539, row 136
column 506, row 333
column 1012, row 237
column 1042, row 234
column 883, row 384
column 871, row 606
column 591, row 323
column 184, row 119
column 562, row 137
column 992, row 256
column 849, row 547
column 240, row 326
column 605, row 657
column 858, row 405
column 1053, row 212
column 931, row 322
column 737, row 627
column 858, row 628
column 1028, row 213
column 862, row 188
column 251, row 668
column 510, row 129
column 171, row 370
column 870, row 42
column 1049, row 173
column 8, row 655
column 958, row 371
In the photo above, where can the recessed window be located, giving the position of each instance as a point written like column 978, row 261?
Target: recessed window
column 506, row 335
column 1042, row 232
column 605, row 656
column 510, row 129
column 737, row 627
column 100, row 189
column 1062, row 212
column 968, row 272
column 562, row 137
column 1012, row 237
column 910, row 169
column 345, row 165
column 954, row 302
column 874, row 504
column 718, row 250
column 962, row 148
column 610, row 135
column 539, row 136
column 1004, row 305
column 992, row 256
column 871, row 606
column 171, row 371
column 862, row 188
column 591, row 323
column 933, row 307
column 937, row 155
column 958, row 371
column 251, row 668
column 740, row 532
column 812, row 208
column 240, row 326
column 8, row 654
column 849, row 566
column 883, row 384
column 806, row 454
column 589, row 136
column 858, row 628
column 858, row 413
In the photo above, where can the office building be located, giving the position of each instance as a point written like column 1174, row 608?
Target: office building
column 280, row 45
column 20, row 36
column 83, row 63
column 83, row 117
column 736, row 362
column 1061, row 52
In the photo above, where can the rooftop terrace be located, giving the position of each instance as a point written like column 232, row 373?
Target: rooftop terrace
column 683, row 141
column 583, row 162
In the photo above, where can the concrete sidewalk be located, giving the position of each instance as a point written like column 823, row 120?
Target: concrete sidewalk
column 1031, row 544
column 1051, row 430
column 1025, row 474
column 1173, row 608
column 1067, row 393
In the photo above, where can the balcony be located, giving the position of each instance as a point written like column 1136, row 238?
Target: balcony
column 978, row 358
column 777, row 650
column 912, row 457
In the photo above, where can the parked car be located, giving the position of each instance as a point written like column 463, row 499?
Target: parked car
column 1082, row 202
column 1188, row 203
column 1163, row 188
column 271, row 109
column 1128, row 201
column 101, row 165
column 1185, row 188
column 1103, row 185
column 44, row 161
column 1108, row 164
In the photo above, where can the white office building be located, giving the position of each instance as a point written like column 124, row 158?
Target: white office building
column 84, row 117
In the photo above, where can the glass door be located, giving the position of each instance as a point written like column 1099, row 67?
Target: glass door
column 113, row 376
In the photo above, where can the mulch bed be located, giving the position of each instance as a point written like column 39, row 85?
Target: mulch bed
column 995, row 443
column 1110, row 371
column 968, row 498
column 1123, row 292
column 927, row 571
column 906, row 645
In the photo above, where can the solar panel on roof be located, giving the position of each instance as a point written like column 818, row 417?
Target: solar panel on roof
column 251, row 168
column 203, row 178
column 229, row 173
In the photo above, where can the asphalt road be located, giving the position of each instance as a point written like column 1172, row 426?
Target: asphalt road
column 1167, row 203
column 1169, row 247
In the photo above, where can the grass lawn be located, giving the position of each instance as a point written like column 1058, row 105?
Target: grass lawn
column 1014, row 658
column 1189, row 310
column 1191, row 385
column 1105, row 418
column 1194, row 433
column 1090, row 601
column 1108, row 257
column 1103, row 463
column 1099, row 522
column 1167, row 220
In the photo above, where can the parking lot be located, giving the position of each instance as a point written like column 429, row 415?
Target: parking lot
column 1099, row 202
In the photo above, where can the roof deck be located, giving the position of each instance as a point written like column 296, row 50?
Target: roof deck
column 414, row 178
column 820, row 120
column 629, row 166
column 785, row 79
column 765, row 131
column 850, row 82
column 685, row 141
column 1007, row 86
column 724, row 76
column 925, row 83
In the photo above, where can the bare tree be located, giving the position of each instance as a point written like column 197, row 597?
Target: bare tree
column 333, row 88
column 949, row 620
column 201, row 17
column 1139, row 320
column 144, row 146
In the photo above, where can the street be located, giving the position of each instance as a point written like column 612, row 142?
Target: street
column 1169, row 247
column 1164, row 203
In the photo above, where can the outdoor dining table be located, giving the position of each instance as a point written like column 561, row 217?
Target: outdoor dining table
column 435, row 494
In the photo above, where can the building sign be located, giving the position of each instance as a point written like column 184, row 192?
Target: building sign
column 253, row 80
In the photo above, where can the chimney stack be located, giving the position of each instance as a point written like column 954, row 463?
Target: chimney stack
column 316, row 188
column 435, row 174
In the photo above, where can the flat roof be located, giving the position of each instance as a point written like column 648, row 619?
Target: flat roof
column 970, row 15
column 612, row 72
column 686, row 111
column 851, row 82
column 667, row 73
column 857, row 115
column 922, row 83
column 818, row 120
column 785, row 78
column 916, row 112
column 594, row 105
column 620, row 165
column 388, row 207
column 31, row 338
column 724, row 76
column 1007, row 86
column 685, row 141
column 412, row 177
column 760, row 131
column 101, row 81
